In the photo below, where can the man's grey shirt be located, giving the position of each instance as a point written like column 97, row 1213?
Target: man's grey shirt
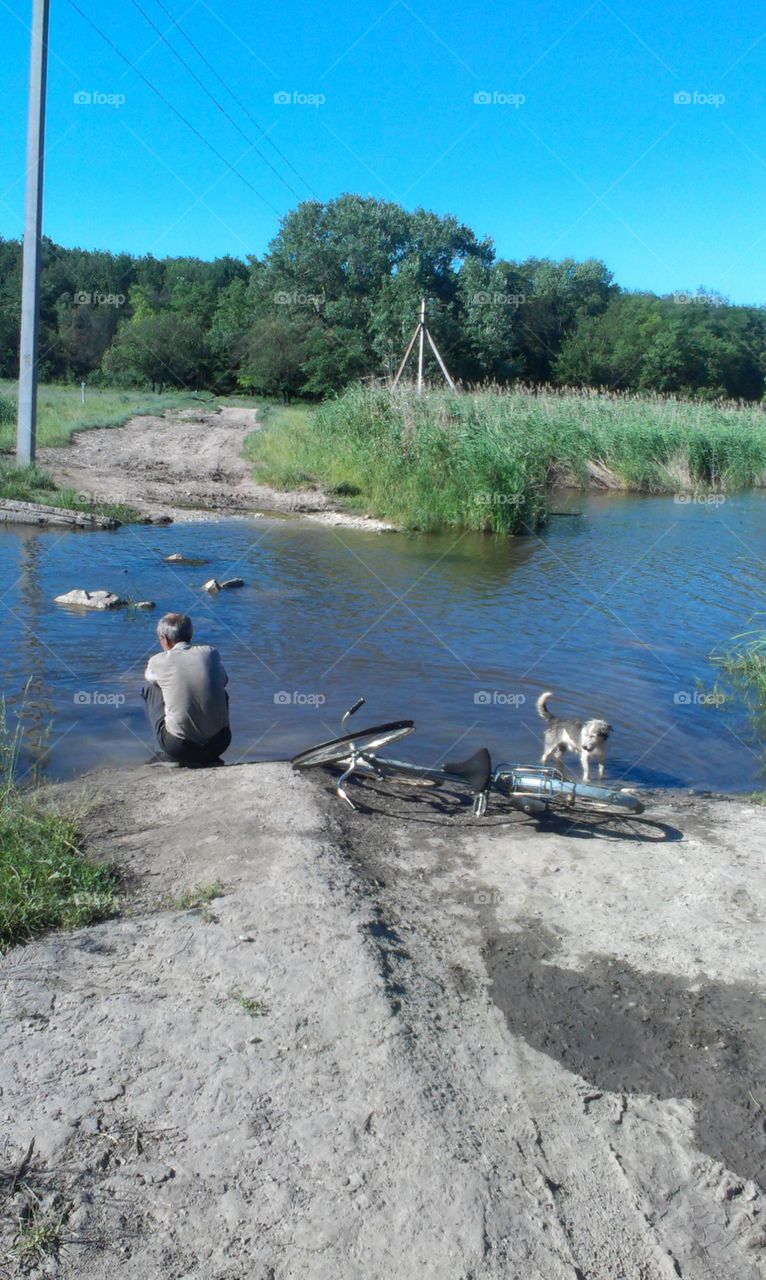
column 193, row 680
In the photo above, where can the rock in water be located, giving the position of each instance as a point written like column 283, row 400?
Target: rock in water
column 144, row 604
column 231, row 582
column 212, row 585
column 177, row 558
column 92, row 599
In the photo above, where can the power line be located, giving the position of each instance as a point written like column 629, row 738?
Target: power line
column 175, row 110
column 239, row 102
column 213, row 98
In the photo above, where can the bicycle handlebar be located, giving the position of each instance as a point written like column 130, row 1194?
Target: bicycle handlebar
column 351, row 711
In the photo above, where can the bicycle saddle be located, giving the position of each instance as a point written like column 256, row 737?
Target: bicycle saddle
column 476, row 770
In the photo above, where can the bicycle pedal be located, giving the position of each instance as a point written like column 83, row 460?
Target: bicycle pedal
column 344, row 796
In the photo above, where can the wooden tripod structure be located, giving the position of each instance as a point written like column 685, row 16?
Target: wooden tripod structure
column 420, row 336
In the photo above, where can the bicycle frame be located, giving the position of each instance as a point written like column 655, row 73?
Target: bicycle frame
column 530, row 788
column 389, row 768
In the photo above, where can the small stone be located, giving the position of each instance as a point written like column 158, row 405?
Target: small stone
column 91, row 599
column 246, row 937
column 177, row 558
column 212, row 585
column 232, row 582
column 110, row 1092
column 153, row 1173
column 144, row 604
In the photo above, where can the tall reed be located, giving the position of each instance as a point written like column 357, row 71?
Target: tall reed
column 488, row 459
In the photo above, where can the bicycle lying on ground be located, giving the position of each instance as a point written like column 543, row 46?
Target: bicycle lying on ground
column 530, row 788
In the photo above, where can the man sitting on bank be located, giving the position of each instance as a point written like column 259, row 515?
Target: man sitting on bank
column 185, row 695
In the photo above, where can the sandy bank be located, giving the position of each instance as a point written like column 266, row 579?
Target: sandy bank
column 399, row 1044
column 187, row 464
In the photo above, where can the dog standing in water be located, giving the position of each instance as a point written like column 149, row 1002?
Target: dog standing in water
column 587, row 738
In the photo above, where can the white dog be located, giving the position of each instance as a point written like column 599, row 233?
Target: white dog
column 584, row 737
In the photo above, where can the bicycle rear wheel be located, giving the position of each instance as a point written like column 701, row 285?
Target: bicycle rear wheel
column 341, row 750
column 559, row 793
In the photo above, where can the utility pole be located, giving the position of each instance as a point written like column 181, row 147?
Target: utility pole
column 422, row 341
column 33, row 217
column 419, row 336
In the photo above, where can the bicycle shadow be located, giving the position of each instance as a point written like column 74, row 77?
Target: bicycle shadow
column 443, row 807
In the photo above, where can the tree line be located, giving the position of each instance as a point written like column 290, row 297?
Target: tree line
column 336, row 296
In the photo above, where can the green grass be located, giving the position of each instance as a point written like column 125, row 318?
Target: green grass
column 743, row 667
column 60, row 410
column 28, row 484
column 488, row 459
column 199, row 896
column 255, row 1008
column 38, row 1237
column 281, row 448
column 46, row 882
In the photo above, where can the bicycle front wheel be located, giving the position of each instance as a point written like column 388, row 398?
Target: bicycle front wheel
column 559, row 793
column 342, row 750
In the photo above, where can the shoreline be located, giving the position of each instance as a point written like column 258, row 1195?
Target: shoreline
column 149, row 463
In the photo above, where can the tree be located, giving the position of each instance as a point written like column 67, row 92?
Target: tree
column 274, row 357
column 164, row 350
column 644, row 343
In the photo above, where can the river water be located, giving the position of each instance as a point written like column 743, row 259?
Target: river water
column 617, row 609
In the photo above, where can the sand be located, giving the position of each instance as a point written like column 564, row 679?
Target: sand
column 186, row 464
column 401, row 1043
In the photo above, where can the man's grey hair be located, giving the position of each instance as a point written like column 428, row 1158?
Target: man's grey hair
column 175, row 628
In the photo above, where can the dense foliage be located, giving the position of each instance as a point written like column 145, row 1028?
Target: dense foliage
column 336, row 297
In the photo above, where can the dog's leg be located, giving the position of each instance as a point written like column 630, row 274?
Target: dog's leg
column 562, row 768
column 585, row 762
column 565, row 772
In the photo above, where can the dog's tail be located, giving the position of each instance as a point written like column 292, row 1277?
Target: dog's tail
column 542, row 708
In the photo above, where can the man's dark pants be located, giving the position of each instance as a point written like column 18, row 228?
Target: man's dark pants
column 178, row 748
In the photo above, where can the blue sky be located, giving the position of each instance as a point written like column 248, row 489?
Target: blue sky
column 598, row 159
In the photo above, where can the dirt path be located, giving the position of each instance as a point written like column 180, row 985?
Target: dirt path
column 183, row 464
column 399, row 1044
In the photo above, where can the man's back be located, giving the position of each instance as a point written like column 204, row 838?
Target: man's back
column 193, row 683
